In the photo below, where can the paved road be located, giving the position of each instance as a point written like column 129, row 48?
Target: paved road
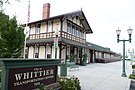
column 98, row 76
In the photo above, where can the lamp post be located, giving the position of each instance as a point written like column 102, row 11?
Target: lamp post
column 118, row 40
column 56, row 45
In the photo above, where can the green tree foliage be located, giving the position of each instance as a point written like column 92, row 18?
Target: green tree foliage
column 5, row 1
column 11, row 37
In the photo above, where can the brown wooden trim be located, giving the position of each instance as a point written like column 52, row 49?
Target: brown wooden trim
column 28, row 53
column 52, row 25
column 46, row 26
column 62, row 19
column 63, row 47
column 42, row 35
column 60, row 46
column 91, row 56
column 66, row 54
column 61, row 27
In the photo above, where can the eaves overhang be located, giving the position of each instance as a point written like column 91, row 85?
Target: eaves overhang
column 60, row 40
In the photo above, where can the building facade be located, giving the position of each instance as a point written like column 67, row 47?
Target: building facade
column 70, row 30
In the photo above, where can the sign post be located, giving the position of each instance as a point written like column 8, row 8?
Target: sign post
column 56, row 42
column 56, row 45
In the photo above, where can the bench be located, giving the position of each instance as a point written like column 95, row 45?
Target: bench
column 72, row 65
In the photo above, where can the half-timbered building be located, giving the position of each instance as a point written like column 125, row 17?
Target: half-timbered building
column 68, row 29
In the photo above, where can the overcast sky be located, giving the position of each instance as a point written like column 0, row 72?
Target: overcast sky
column 104, row 17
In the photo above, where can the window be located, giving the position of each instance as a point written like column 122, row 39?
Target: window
column 37, row 28
column 36, row 52
column 79, row 34
column 68, row 51
column 82, row 34
column 69, row 26
column 48, row 51
column 74, row 30
column 26, row 52
column 48, row 56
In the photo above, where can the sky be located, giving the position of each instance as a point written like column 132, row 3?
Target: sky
column 103, row 16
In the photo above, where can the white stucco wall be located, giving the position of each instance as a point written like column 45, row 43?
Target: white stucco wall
column 30, row 53
column 56, row 26
column 48, row 50
column 53, row 52
column 41, row 52
column 43, row 28
column 63, row 55
column 100, row 55
column 108, row 55
column 32, row 29
column 65, row 26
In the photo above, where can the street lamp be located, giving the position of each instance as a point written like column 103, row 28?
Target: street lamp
column 118, row 40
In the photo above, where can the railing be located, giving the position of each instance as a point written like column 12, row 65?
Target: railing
column 72, row 37
column 52, row 35
column 42, row 35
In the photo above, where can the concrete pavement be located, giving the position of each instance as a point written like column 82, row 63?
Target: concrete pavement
column 100, row 76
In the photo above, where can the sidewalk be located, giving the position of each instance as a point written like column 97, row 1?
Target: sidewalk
column 99, row 76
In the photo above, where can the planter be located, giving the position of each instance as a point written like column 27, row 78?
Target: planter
column 133, row 66
column 84, row 59
column 63, row 69
column 131, row 76
column 83, row 63
column 132, row 84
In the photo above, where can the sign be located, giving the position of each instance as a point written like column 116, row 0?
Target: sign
column 55, row 42
column 31, row 78
column 28, row 74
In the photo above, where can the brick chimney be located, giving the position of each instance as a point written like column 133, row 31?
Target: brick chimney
column 46, row 11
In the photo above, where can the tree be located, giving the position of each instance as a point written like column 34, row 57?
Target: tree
column 11, row 37
column 5, row 1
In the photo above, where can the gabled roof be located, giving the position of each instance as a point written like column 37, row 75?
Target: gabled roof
column 78, row 13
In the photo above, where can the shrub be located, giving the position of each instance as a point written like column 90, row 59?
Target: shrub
column 69, row 83
column 66, row 83
column 0, row 74
column 132, row 76
column 72, row 58
column 42, row 87
column 133, row 66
